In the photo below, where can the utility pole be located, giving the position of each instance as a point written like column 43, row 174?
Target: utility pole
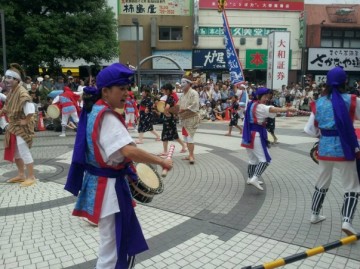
column 135, row 21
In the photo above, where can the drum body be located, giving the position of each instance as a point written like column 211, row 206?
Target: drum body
column 148, row 185
column 314, row 152
column 53, row 111
column 160, row 106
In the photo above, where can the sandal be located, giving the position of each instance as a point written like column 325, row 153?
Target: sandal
column 162, row 154
column 16, row 179
column 158, row 139
column 187, row 158
column 191, row 161
column 139, row 142
column 28, row 182
column 183, row 150
column 227, row 134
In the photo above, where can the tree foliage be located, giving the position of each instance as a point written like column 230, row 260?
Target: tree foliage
column 40, row 32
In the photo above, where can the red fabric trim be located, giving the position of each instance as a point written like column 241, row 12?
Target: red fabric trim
column 251, row 145
column 96, row 132
column 9, row 152
column 176, row 98
column 100, row 192
column 313, row 110
column 352, row 106
column 184, row 132
column 73, row 97
column 336, row 159
column 313, row 107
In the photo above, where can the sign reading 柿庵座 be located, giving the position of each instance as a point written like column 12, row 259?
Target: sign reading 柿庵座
column 324, row 59
column 155, row 7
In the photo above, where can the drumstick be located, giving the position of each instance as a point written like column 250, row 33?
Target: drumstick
column 170, row 154
column 304, row 112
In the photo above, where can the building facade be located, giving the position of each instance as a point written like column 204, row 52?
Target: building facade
column 333, row 38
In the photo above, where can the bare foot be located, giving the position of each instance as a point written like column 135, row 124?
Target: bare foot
column 17, row 179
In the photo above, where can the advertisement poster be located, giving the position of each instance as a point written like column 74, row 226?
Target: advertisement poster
column 294, row 5
column 278, row 60
column 155, row 7
column 324, row 59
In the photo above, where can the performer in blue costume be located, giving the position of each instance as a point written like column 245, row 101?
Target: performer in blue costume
column 332, row 120
column 101, row 167
column 255, row 135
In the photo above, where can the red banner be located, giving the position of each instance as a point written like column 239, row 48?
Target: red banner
column 254, row 5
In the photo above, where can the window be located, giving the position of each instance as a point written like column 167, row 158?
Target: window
column 335, row 38
column 170, row 33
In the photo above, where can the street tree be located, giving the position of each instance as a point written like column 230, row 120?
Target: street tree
column 40, row 32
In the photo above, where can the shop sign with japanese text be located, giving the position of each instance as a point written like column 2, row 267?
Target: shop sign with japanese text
column 181, row 57
column 210, row 58
column 290, row 5
column 325, row 59
column 155, row 7
column 238, row 31
column 278, row 60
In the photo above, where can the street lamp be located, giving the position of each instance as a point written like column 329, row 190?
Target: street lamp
column 135, row 21
column 2, row 14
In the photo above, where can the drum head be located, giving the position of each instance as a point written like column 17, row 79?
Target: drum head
column 53, row 111
column 148, row 176
column 314, row 152
column 160, row 106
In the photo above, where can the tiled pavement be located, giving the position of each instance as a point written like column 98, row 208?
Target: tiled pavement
column 207, row 217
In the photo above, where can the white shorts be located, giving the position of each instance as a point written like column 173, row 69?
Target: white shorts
column 22, row 151
column 65, row 118
column 188, row 139
column 129, row 117
column 256, row 155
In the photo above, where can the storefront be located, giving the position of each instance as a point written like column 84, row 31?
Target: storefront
column 321, row 60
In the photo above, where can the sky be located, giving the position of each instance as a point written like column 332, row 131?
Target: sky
column 326, row 2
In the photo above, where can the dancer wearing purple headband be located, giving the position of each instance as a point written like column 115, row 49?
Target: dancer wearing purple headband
column 332, row 120
column 102, row 165
column 255, row 135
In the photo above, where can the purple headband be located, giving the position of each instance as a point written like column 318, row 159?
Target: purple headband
column 262, row 91
column 91, row 90
column 115, row 74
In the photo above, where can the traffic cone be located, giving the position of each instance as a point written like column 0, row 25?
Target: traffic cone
column 227, row 114
column 41, row 126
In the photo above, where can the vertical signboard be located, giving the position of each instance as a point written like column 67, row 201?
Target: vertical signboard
column 278, row 60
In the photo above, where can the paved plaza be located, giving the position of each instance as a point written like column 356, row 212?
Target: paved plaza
column 207, row 217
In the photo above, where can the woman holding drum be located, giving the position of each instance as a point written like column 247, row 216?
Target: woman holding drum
column 102, row 165
column 169, row 132
column 146, row 117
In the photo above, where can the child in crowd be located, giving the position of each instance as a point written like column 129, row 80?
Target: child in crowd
column 234, row 109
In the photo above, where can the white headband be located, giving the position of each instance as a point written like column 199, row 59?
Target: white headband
column 187, row 80
column 13, row 74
